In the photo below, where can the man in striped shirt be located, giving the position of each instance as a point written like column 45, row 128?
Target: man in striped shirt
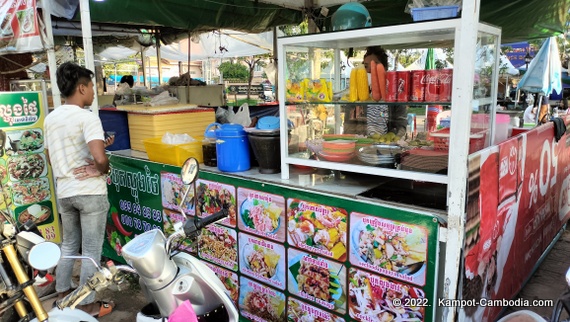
column 75, row 146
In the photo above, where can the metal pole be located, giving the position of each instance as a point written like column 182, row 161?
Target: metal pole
column 56, row 96
column 88, row 47
column 158, row 63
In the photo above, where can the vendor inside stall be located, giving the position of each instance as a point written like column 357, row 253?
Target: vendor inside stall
column 375, row 122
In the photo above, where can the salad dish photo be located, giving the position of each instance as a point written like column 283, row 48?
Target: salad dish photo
column 317, row 280
column 262, row 260
column 26, row 20
column 262, row 213
column 27, row 166
column 371, row 298
column 298, row 311
column 317, row 228
column 388, row 247
column 218, row 244
column 32, row 141
column 261, row 303
column 229, row 279
column 212, row 197
column 26, row 192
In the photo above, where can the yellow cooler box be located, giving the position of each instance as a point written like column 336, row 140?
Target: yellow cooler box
column 153, row 122
column 174, row 154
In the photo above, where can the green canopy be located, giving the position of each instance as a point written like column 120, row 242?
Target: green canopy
column 519, row 19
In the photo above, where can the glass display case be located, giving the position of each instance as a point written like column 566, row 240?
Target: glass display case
column 326, row 127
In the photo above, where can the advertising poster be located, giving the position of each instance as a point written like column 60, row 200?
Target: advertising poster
column 388, row 247
column 262, row 260
column 212, row 196
column 262, row 214
column 317, row 228
column 26, row 181
column 258, row 302
column 229, row 279
column 136, row 200
column 518, row 197
column 374, row 298
column 19, row 29
column 218, row 244
column 290, row 261
column 299, row 311
column 317, row 280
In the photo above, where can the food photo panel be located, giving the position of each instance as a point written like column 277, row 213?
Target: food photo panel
column 262, row 260
column 299, row 311
column 173, row 190
column 24, row 141
column 212, row 197
column 389, row 247
column 317, row 280
column 229, row 279
column 27, row 166
column 258, row 302
column 261, row 213
column 40, row 213
column 218, row 244
column 317, row 228
column 375, row 298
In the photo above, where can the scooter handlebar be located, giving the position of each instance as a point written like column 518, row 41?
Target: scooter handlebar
column 212, row 219
column 74, row 298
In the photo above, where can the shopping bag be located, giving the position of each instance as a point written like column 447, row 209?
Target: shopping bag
column 241, row 116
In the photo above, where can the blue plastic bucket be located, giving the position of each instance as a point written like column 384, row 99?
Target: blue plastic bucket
column 232, row 148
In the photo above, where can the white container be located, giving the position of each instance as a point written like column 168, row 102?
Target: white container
column 502, row 123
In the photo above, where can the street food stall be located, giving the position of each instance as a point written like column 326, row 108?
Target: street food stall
column 377, row 231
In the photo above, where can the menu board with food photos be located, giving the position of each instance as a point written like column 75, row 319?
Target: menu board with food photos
column 26, row 181
column 287, row 254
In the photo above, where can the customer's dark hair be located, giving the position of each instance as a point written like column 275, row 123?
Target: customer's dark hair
column 70, row 75
column 379, row 53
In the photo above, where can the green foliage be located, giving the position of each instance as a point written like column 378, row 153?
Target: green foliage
column 234, row 71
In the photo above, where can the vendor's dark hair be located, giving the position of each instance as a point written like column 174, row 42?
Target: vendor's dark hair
column 129, row 79
column 380, row 53
column 70, row 75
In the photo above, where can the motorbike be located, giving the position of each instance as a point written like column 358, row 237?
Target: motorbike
column 168, row 278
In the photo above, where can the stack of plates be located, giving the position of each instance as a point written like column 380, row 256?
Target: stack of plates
column 381, row 154
column 424, row 160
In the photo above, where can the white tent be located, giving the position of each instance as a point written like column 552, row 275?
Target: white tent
column 438, row 54
column 218, row 44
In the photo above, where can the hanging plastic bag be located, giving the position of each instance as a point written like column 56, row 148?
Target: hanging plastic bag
column 183, row 313
column 241, row 116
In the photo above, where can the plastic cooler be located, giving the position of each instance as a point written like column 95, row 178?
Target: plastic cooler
column 441, row 140
column 174, row 154
column 116, row 121
column 146, row 125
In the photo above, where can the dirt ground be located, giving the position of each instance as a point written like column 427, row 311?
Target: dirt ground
column 128, row 298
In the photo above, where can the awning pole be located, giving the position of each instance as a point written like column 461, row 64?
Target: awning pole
column 143, row 66
column 189, row 53
column 158, row 63
column 275, row 61
column 56, row 95
column 88, row 47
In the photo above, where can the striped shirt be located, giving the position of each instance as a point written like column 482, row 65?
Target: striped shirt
column 67, row 130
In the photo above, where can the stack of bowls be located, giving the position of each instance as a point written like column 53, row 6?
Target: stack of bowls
column 338, row 150
column 383, row 155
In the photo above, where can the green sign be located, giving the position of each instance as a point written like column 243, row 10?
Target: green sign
column 136, row 200
column 307, row 255
column 19, row 109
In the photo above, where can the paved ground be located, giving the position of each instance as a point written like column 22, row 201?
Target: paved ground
column 548, row 282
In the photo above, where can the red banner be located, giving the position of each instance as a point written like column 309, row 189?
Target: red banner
column 19, row 29
column 518, row 201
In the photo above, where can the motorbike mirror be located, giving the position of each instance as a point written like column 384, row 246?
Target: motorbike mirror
column 189, row 171
column 44, row 256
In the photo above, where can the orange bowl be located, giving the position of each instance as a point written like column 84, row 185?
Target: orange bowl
column 339, row 146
